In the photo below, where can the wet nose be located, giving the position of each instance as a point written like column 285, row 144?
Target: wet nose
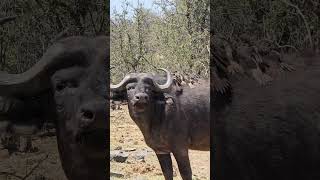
column 141, row 97
column 93, row 115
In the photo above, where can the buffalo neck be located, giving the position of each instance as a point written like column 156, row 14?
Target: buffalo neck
column 149, row 122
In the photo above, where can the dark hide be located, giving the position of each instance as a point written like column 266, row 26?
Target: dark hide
column 170, row 122
column 72, row 79
column 269, row 132
column 81, row 103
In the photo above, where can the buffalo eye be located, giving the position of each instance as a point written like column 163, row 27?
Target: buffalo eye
column 130, row 88
column 60, row 86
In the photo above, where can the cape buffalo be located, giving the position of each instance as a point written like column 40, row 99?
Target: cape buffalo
column 70, row 81
column 270, row 132
column 170, row 122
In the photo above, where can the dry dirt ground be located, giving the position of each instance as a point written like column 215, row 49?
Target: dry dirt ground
column 41, row 165
column 44, row 164
column 125, row 135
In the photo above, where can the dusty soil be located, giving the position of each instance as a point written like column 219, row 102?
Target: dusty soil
column 41, row 165
column 125, row 135
column 44, row 164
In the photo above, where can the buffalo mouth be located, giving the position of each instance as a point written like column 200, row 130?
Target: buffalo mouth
column 140, row 106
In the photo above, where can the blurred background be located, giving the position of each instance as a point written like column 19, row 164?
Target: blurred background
column 32, row 26
column 172, row 34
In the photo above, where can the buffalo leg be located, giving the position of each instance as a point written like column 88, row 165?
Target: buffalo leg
column 183, row 162
column 166, row 165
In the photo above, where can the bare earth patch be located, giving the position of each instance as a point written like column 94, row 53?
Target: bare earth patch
column 125, row 135
column 41, row 165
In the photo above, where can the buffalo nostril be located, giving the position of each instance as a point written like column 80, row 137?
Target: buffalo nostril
column 137, row 97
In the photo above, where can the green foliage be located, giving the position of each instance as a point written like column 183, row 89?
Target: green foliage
column 281, row 23
column 39, row 23
column 177, row 38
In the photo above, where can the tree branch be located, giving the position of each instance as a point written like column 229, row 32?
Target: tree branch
column 303, row 18
column 7, row 19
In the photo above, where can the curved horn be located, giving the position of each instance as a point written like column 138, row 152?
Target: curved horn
column 37, row 78
column 167, row 86
column 120, row 86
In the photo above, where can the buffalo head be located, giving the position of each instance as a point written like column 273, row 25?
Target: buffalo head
column 141, row 90
column 71, row 79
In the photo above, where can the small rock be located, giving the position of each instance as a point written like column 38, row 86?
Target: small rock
column 118, row 156
column 118, row 148
column 117, row 175
column 121, row 157
column 113, row 154
column 140, row 155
